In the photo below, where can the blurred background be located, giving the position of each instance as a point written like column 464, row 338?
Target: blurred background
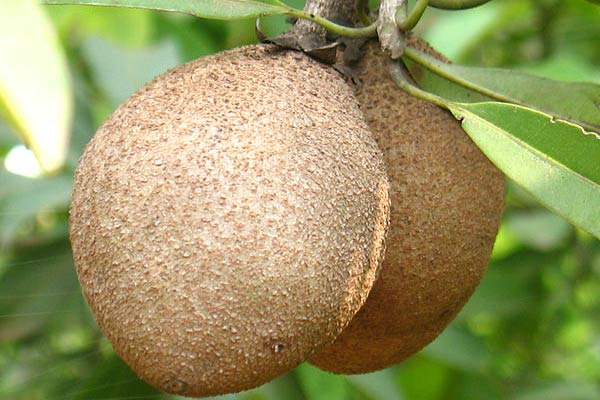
column 530, row 332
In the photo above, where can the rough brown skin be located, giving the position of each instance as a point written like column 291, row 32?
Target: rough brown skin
column 228, row 219
column 446, row 203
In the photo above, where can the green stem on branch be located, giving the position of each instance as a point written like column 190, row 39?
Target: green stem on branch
column 408, row 23
column 332, row 27
column 310, row 32
column 456, row 4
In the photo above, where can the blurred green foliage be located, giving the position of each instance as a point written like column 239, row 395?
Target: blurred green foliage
column 531, row 331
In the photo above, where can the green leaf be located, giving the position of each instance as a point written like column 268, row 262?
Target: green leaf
column 564, row 66
column 129, row 27
column 120, row 71
column 557, row 162
column 538, row 229
column 27, row 198
column 455, row 33
column 214, row 9
column 576, row 102
column 509, row 287
column 35, row 288
column 460, row 349
column 377, row 385
column 284, row 387
column 561, row 391
column 112, row 379
column 320, row 385
column 411, row 374
column 35, row 93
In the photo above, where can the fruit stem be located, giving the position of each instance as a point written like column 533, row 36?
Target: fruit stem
column 310, row 30
column 410, row 21
column 456, row 4
column 398, row 74
column 320, row 17
column 340, row 30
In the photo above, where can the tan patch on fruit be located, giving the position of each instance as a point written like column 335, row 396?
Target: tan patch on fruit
column 228, row 219
column 446, row 203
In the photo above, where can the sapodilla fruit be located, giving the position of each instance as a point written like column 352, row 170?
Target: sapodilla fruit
column 446, row 203
column 228, row 219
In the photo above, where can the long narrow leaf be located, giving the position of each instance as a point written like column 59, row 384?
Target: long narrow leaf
column 557, row 162
column 576, row 102
column 35, row 94
column 214, row 9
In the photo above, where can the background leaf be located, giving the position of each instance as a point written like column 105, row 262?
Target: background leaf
column 32, row 289
column 561, row 391
column 553, row 160
column 215, row 9
column 319, row 385
column 458, row 348
column 122, row 71
column 377, row 385
column 35, row 93
column 32, row 200
column 457, row 32
column 112, row 380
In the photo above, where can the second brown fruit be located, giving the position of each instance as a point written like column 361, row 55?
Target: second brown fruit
column 446, row 203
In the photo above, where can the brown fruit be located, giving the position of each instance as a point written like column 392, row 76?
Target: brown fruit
column 228, row 219
column 446, row 203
